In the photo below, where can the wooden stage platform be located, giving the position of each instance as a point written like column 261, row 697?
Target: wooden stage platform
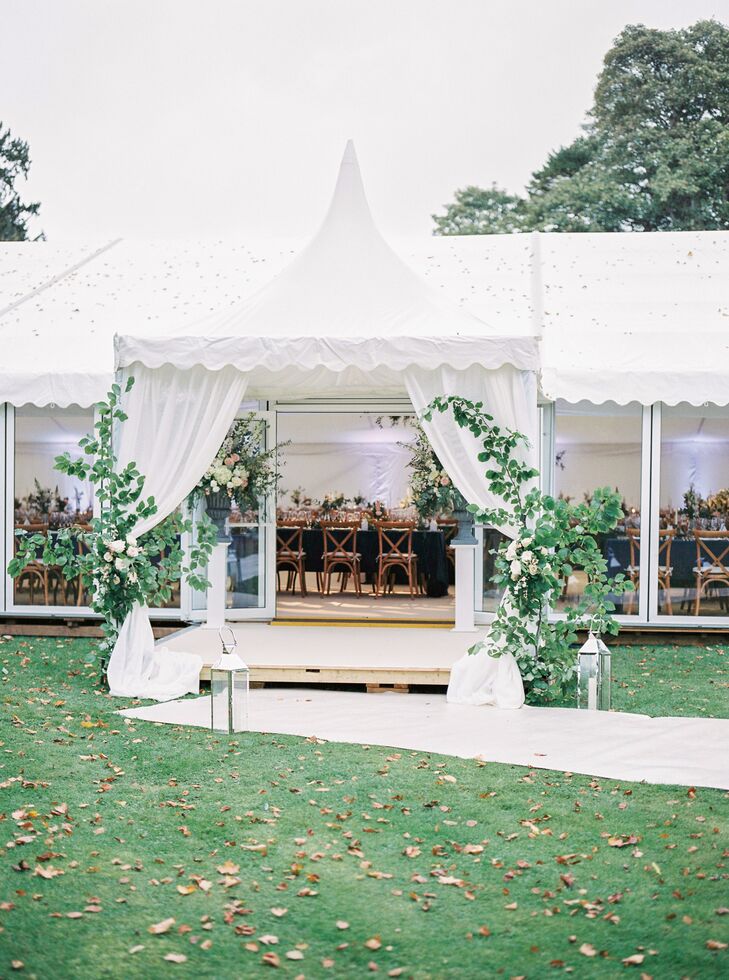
column 378, row 655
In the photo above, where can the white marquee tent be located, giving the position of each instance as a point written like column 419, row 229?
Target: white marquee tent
column 601, row 317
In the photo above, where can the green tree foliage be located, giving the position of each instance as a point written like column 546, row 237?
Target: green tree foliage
column 14, row 164
column 654, row 154
column 481, row 212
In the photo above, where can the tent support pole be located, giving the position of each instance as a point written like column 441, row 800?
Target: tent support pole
column 217, row 570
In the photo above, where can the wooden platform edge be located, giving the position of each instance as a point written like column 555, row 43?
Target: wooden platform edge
column 371, row 676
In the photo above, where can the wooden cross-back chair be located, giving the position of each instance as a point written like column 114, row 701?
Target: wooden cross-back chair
column 340, row 554
column 395, row 550
column 712, row 565
column 290, row 554
column 665, row 569
column 35, row 574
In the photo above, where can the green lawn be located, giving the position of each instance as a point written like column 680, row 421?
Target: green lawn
column 324, row 860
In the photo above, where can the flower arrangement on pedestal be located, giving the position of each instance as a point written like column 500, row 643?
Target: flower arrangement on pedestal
column 243, row 470
column 431, row 489
column 549, row 538
column 117, row 568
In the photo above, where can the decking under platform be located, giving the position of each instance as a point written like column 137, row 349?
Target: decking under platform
column 377, row 655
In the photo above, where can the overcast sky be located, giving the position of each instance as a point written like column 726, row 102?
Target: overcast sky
column 227, row 118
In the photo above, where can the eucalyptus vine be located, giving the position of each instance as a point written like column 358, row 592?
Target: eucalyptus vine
column 117, row 568
column 549, row 539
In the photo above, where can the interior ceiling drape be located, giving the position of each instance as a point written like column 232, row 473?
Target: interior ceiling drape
column 176, row 421
column 510, row 396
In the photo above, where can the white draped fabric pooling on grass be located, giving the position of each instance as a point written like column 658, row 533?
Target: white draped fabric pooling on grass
column 176, row 421
column 613, row 745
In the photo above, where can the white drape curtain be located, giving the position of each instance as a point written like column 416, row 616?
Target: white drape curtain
column 510, row 396
column 176, row 423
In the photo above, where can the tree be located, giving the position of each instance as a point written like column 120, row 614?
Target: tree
column 14, row 164
column 481, row 212
column 654, row 153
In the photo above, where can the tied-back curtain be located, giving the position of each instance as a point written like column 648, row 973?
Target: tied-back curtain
column 509, row 395
column 176, row 421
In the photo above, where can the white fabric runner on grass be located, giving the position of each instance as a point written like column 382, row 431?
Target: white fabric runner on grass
column 176, row 423
column 613, row 745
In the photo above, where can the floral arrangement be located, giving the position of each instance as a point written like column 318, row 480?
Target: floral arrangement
column 718, row 503
column 117, row 567
column 431, row 489
column 333, row 501
column 550, row 538
column 242, row 469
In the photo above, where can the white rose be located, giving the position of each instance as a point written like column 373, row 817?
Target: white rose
column 533, row 568
column 121, row 564
column 132, row 576
column 131, row 540
column 526, row 542
column 117, row 546
column 133, row 551
column 511, row 551
column 108, row 556
column 515, row 569
column 527, row 556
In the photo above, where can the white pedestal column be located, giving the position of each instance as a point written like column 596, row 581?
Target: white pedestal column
column 217, row 574
column 465, row 591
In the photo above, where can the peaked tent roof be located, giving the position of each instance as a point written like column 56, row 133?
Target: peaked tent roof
column 346, row 304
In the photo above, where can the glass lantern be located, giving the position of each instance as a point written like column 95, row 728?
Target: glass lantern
column 229, row 689
column 594, row 675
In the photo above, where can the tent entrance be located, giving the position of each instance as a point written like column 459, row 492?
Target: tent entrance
column 345, row 461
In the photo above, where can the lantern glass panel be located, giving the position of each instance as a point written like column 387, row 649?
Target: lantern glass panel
column 587, row 681
column 605, row 680
column 240, row 701
column 229, row 700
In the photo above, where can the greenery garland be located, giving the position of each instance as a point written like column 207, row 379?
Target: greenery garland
column 117, row 568
column 551, row 538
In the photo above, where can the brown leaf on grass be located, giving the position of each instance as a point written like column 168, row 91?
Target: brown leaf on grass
column 623, row 840
column 341, row 924
column 635, row 960
column 412, row 852
column 158, row 928
column 47, row 872
column 271, row 959
column 396, row 971
column 186, row 889
column 715, row 944
column 228, row 868
column 176, row 958
column 278, row 912
column 588, row 950
column 373, row 943
column 17, row 964
column 294, row 954
column 268, row 940
column 74, row 915
column 259, row 848
column 136, row 949
column 484, row 931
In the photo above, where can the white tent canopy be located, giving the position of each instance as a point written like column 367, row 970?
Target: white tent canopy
column 346, row 315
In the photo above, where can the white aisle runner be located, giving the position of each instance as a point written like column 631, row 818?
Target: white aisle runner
column 684, row 751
